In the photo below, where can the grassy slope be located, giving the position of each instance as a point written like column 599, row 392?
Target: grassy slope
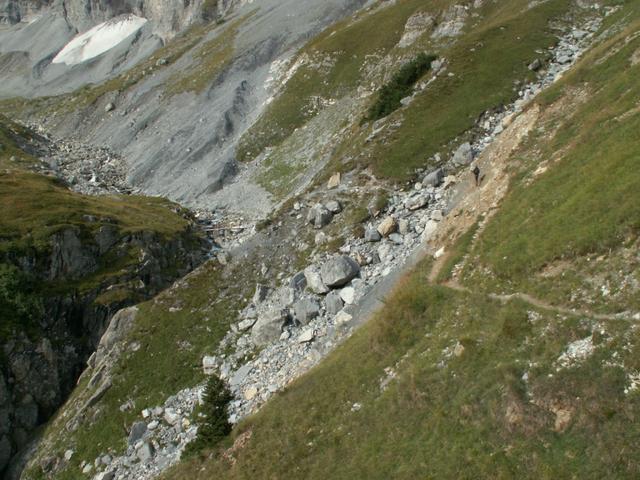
column 476, row 415
column 585, row 211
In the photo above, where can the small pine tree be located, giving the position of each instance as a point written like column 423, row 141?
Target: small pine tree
column 214, row 425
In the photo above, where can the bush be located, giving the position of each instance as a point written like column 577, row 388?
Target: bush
column 20, row 306
column 400, row 86
column 214, row 425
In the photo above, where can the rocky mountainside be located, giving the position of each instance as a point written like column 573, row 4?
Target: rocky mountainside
column 426, row 222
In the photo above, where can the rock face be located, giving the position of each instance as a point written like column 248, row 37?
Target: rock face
column 37, row 372
column 339, row 271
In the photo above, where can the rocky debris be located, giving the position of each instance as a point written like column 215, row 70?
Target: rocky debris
column 333, row 302
column 87, row 169
column 339, row 271
column 387, row 226
column 417, row 202
column 306, row 336
column 333, row 206
column 109, row 107
column 372, row 235
column 260, row 294
column 138, row 429
column 417, row 24
column 319, row 216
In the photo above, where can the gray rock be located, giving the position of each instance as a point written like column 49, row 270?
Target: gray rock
column 314, row 280
column 463, row 155
column 348, row 295
column 246, row 324
column 240, row 375
column 145, row 452
column 416, row 203
column 261, row 294
column 333, row 303
column 339, row 271
column 298, row 282
column 105, row 476
column 396, row 238
column 333, row 206
column 306, row 310
column 269, row 327
column 434, row 178
column 403, row 226
column 535, row 65
column 138, row 429
column 306, row 336
column 387, row 226
column 372, row 235
column 319, row 216
column 109, row 107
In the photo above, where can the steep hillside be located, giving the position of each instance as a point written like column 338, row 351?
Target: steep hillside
column 513, row 354
column 68, row 262
column 374, row 310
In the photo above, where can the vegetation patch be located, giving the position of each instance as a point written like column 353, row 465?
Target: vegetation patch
column 400, row 86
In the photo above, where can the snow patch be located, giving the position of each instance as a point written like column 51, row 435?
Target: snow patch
column 99, row 39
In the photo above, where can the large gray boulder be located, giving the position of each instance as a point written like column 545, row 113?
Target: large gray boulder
column 463, row 155
column 333, row 303
column 434, row 178
column 314, row 280
column 339, row 271
column 137, row 431
column 269, row 327
column 319, row 215
column 305, row 310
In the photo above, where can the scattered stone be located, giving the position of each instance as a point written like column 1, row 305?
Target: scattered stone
column 418, row 202
column 343, row 317
column 298, row 282
column 403, row 226
column 333, row 206
column 348, row 295
column 208, row 365
column 68, row 454
column 387, row 226
column 138, row 429
column 268, row 327
column 250, row 393
column 145, row 452
column 306, row 309
column 306, row 336
column 314, row 280
column 105, row 476
column 372, row 235
column 319, row 216
column 429, row 229
column 396, row 238
column 262, row 291
column 535, row 65
column 458, row 349
column 109, row 107
column 246, row 324
column 339, row 271
column 333, row 302
column 463, row 155
column 434, row 178
column 437, row 215
column 171, row 417
column 334, row 181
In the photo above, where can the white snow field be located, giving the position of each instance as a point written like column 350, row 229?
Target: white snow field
column 99, row 39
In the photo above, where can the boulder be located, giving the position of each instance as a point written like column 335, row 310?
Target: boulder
column 109, row 107
column 298, row 282
column 314, row 280
column 429, row 229
column 339, row 271
column 535, row 65
column 403, row 226
column 261, row 294
column 319, row 216
column 333, row 303
column 105, row 476
column 208, row 366
column 372, row 235
column 387, row 226
column 396, row 238
column 463, row 155
column 268, row 328
column 334, row 181
column 333, row 206
column 348, row 295
column 138, row 429
column 305, row 310
column 306, row 336
column 418, row 202
column 145, row 452
column 240, row 375
column 434, row 178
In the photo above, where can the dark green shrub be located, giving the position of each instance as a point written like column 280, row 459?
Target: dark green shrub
column 214, row 425
column 400, row 86
column 20, row 306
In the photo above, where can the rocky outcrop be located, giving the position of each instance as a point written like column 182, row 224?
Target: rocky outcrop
column 39, row 367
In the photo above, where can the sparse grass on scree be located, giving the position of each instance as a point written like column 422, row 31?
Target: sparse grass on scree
column 585, row 206
column 445, row 416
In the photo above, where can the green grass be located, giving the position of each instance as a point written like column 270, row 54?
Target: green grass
column 585, row 205
column 456, row 255
column 445, row 416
